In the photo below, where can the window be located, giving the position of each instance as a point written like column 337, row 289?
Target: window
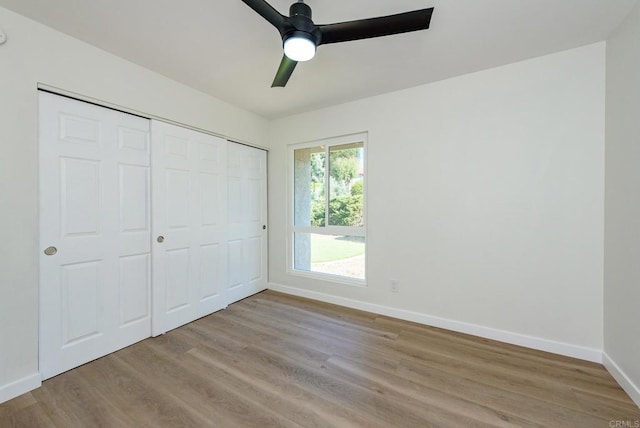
column 328, row 208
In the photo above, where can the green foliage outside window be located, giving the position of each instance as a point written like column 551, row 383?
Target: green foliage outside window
column 346, row 204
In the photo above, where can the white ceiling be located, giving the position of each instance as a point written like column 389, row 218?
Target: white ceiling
column 223, row 48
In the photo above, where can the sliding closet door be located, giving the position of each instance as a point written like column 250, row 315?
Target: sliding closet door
column 247, row 175
column 94, row 232
column 189, row 171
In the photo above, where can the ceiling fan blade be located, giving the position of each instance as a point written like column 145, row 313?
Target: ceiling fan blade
column 287, row 65
column 267, row 11
column 376, row 27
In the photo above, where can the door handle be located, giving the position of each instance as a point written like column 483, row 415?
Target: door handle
column 160, row 239
column 50, row 251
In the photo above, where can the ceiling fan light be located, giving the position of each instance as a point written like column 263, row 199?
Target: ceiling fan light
column 299, row 48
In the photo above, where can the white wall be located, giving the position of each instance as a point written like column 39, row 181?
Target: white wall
column 622, row 207
column 33, row 54
column 485, row 200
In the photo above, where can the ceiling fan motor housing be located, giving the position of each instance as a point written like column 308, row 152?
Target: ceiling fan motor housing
column 300, row 8
column 301, row 24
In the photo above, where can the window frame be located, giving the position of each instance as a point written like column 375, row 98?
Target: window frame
column 327, row 143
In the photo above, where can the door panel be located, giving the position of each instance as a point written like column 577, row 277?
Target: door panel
column 209, row 197
column 236, row 277
column 134, row 204
column 189, row 211
column 81, row 130
column 247, row 221
column 254, row 258
column 177, row 208
column 81, row 295
column 135, row 284
column 235, row 203
column 177, row 283
column 94, row 209
column 80, row 196
column 209, row 271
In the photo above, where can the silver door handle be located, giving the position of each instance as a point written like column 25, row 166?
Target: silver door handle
column 50, row 251
column 160, row 239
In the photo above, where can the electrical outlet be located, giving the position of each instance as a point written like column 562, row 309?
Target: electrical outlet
column 395, row 287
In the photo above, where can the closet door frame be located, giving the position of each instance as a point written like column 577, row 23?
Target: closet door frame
column 151, row 237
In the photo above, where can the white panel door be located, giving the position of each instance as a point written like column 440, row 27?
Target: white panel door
column 189, row 223
column 247, row 175
column 95, row 226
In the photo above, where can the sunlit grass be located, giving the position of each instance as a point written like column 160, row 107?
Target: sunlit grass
column 331, row 248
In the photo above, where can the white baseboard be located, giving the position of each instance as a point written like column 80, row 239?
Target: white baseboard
column 575, row 351
column 19, row 387
column 622, row 378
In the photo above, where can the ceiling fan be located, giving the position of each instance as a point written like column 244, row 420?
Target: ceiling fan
column 301, row 37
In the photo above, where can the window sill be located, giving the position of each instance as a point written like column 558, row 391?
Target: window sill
column 335, row 279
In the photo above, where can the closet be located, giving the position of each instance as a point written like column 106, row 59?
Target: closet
column 144, row 226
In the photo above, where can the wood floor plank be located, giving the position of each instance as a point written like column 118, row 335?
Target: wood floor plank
column 303, row 314
column 544, row 359
column 397, row 325
column 323, row 382
column 423, row 396
column 577, row 379
column 70, row 400
column 506, row 400
column 552, row 392
column 321, row 341
column 321, row 308
column 279, row 360
column 309, row 408
column 128, row 390
column 27, row 417
column 211, row 396
column 606, row 408
column 16, row 405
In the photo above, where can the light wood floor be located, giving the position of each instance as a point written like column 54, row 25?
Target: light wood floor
column 276, row 360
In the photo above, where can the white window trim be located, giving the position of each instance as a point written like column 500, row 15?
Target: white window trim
column 327, row 230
